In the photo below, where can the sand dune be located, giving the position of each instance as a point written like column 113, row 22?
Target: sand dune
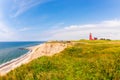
column 46, row 49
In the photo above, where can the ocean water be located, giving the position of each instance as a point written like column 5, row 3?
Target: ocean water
column 11, row 50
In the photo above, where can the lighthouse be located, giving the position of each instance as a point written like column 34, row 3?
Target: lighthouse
column 90, row 36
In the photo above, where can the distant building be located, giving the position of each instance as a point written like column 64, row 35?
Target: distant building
column 105, row 39
column 102, row 38
column 95, row 38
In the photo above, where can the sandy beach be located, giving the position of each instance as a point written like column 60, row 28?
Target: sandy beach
column 45, row 49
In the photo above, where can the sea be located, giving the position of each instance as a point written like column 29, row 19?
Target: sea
column 12, row 50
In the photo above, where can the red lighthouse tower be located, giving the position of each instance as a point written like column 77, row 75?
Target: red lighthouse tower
column 90, row 36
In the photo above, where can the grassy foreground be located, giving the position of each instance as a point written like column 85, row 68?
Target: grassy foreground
column 85, row 60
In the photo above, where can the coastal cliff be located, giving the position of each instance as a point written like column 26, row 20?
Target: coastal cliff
column 46, row 49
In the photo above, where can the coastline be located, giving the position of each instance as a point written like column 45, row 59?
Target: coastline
column 13, row 60
column 44, row 49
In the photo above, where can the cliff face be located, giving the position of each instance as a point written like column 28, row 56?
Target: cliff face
column 46, row 49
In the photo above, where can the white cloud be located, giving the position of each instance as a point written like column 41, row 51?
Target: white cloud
column 6, row 33
column 112, row 23
column 106, row 29
column 23, row 5
column 24, row 29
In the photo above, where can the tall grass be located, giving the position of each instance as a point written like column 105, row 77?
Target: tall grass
column 86, row 60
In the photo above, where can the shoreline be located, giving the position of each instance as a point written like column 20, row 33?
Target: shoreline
column 25, row 48
column 13, row 60
column 44, row 49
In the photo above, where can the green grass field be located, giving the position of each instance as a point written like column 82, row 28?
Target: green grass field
column 85, row 60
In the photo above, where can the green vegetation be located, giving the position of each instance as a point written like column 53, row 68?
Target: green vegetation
column 85, row 60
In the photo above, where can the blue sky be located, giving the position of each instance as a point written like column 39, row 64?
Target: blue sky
column 31, row 20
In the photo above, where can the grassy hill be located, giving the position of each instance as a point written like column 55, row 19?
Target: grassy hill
column 85, row 60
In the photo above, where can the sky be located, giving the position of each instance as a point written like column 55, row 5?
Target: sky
column 41, row 20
